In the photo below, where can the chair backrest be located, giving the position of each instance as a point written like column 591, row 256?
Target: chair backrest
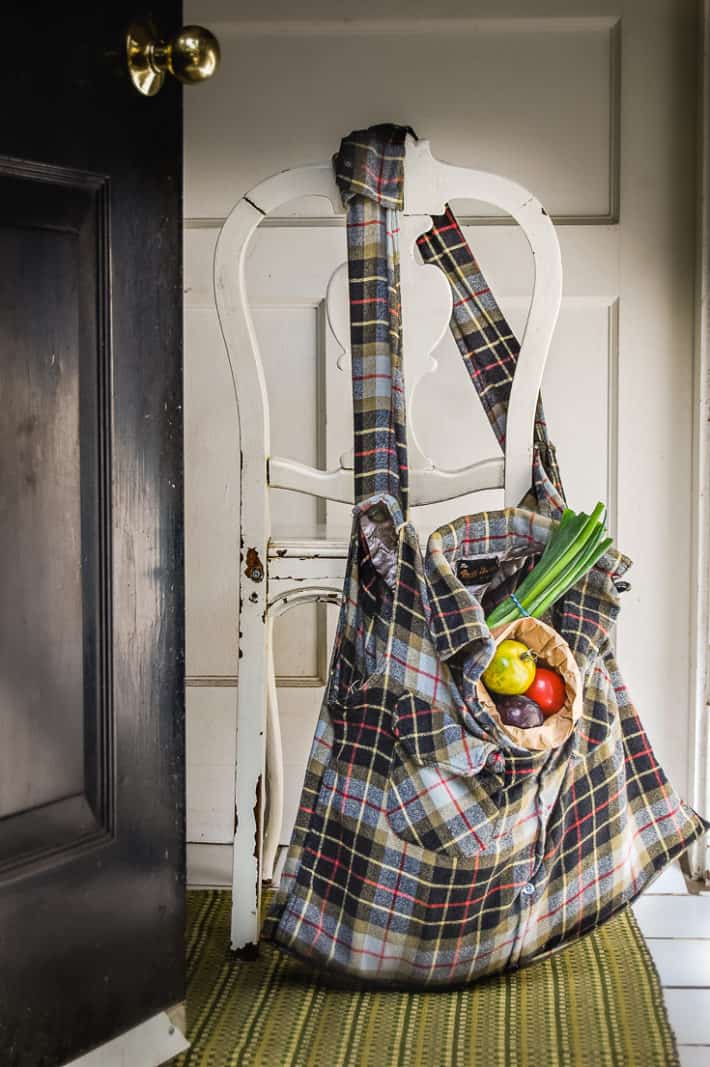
column 426, row 309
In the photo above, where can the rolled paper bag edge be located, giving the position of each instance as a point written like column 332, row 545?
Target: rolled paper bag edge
column 553, row 650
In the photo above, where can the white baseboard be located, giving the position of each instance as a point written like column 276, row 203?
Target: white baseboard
column 209, row 865
column 147, row 1045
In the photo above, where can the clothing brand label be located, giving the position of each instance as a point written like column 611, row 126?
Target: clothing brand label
column 477, row 571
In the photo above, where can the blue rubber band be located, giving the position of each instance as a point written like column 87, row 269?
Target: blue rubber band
column 519, row 606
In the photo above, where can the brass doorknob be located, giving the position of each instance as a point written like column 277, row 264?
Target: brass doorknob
column 191, row 55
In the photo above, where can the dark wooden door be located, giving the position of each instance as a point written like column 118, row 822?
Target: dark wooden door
column 91, row 558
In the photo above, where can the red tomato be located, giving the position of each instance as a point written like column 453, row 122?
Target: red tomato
column 547, row 690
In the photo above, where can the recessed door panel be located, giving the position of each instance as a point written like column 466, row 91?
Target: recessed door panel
column 55, row 786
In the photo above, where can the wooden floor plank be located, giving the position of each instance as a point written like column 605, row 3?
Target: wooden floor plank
column 689, row 1014
column 670, row 880
column 681, row 963
column 674, row 916
column 694, row 1055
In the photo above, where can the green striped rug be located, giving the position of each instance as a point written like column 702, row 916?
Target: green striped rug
column 596, row 1002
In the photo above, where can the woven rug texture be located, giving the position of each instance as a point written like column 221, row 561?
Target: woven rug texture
column 598, row 1001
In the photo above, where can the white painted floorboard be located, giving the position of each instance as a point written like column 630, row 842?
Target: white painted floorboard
column 670, row 880
column 676, row 926
column 681, row 963
column 689, row 1013
column 694, row 1057
column 674, row 916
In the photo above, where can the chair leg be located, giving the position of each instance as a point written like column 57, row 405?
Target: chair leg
column 249, row 793
column 273, row 819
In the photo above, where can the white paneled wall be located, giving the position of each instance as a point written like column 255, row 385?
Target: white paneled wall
column 211, row 497
column 560, row 100
column 210, row 767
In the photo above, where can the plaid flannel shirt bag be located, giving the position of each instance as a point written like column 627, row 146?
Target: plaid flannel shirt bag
column 429, row 847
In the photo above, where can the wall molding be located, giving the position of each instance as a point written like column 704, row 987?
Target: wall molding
column 612, row 408
column 699, row 711
column 221, row 681
column 409, row 27
column 325, row 222
column 613, row 215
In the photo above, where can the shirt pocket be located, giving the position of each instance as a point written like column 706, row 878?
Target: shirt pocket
column 445, row 792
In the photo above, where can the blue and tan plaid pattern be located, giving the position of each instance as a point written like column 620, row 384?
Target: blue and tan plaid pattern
column 428, row 847
column 368, row 171
column 489, row 349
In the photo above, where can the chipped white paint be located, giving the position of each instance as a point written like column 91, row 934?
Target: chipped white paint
column 241, row 343
column 274, row 792
column 266, row 588
column 307, row 549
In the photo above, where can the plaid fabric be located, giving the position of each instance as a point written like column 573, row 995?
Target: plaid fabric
column 428, row 847
column 490, row 349
column 368, row 171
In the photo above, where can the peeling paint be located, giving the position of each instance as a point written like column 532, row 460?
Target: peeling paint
column 254, row 568
column 257, row 811
column 257, row 817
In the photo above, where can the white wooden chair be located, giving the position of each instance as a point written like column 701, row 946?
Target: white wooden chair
column 276, row 576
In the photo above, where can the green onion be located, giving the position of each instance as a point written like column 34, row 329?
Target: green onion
column 578, row 542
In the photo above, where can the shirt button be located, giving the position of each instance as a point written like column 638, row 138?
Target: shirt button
column 528, row 889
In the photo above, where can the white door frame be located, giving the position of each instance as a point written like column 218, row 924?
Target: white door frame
column 699, row 712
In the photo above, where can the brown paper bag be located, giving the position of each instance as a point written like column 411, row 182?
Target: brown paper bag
column 554, row 652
